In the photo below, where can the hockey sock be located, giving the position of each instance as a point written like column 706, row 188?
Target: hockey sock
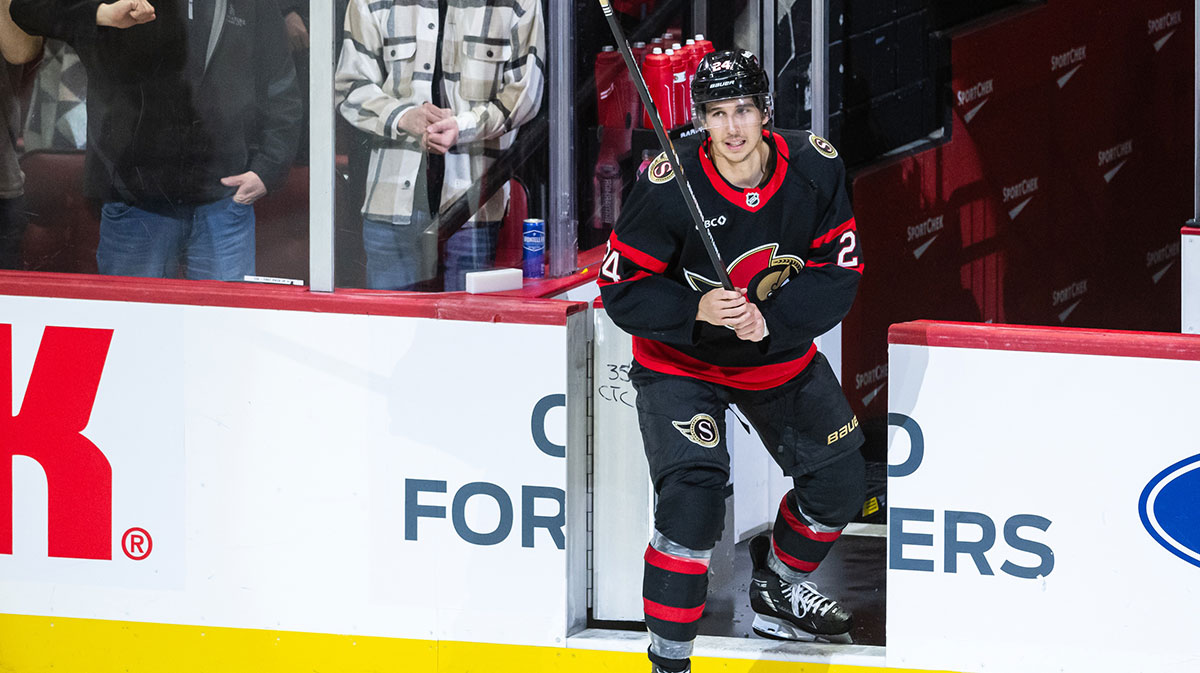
column 669, row 665
column 674, row 588
column 798, row 544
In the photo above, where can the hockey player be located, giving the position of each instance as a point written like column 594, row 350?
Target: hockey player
column 777, row 207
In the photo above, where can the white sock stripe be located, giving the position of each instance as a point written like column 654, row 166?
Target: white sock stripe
column 815, row 526
column 787, row 574
column 670, row 649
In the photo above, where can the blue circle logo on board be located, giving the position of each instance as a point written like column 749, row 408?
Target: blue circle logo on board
column 1170, row 509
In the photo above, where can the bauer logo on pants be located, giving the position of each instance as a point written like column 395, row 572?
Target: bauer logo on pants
column 702, row 430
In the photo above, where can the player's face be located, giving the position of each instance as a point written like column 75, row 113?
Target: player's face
column 735, row 127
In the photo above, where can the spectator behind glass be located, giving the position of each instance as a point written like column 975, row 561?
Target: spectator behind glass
column 442, row 90
column 295, row 21
column 17, row 48
column 57, row 110
column 193, row 115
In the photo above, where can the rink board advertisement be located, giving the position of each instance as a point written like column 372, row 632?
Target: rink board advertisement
column 283, row 470
column 1042, row 486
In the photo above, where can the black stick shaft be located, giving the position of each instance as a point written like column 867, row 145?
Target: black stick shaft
column 668, row 147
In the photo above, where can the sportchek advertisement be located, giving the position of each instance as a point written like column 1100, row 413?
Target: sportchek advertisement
column 1043, row 506
column 283, row 470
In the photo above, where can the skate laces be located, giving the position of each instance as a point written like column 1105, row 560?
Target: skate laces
column 806, row 598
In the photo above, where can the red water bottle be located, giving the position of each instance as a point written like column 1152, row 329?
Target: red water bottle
column 606, row 192
column 679, row 112
column 693, row 54
column 609, row 89
column 633, row 101
column 704, row 45
column 660, row 83
column 639, row 52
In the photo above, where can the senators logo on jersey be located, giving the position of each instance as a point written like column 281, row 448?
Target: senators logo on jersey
column 761, row 271
column 660, row 169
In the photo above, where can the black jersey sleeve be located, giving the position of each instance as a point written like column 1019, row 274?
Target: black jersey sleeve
column 817, row 298
column 646, row 241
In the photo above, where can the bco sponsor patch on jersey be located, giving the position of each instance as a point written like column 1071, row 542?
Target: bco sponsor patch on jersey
column 660, row 170
column 702, row 430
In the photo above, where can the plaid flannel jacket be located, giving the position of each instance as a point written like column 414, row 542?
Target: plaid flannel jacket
column 493, row 77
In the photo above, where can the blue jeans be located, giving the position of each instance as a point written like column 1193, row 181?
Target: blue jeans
column 401, row 255
column 470, row 249
column 215, row 241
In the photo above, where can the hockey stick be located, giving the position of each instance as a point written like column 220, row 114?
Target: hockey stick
column 668, row 147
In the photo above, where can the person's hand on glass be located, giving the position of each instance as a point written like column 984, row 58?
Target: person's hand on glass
column 124, row 13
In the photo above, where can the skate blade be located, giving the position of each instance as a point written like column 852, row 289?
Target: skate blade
column 779, row 629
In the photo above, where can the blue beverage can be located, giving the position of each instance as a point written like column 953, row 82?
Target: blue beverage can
column 533, row 248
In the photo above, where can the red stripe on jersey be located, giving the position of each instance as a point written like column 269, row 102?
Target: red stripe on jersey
column 848, row 225
column 666, row 360
column 739, row 197
column 803, row 528
column 675, row 564
column 637, row 256
column 814, row 265
column 793, row 562
column 603, row 281
column 669, row 614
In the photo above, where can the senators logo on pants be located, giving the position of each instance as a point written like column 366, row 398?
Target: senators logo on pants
column 702, row 430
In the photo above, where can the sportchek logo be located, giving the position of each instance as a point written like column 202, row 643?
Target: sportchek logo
column 929, row 228
column 1073, row 293
column 1017, row 196
column 1119, row 155
column 1160, row 261
column 874, row 379
column 1164, row 27
column 49, row 429
column 975, row 96
column 1070, row 61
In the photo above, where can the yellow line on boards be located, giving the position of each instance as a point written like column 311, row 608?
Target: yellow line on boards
column 34, row 644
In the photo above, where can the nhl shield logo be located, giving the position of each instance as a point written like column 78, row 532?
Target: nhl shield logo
column 702, row 430
column 753, row 199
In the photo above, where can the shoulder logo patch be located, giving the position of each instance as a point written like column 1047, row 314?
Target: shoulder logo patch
column 823, row 146
column 660, row 169
column 702, row 430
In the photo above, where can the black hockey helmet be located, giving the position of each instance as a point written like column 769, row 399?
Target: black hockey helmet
column 723, row 75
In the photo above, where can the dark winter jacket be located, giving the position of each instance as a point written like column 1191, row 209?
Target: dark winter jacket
column 176, row 104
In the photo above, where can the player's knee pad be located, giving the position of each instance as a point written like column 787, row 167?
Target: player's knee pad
column 832, row 496
column 691, row 507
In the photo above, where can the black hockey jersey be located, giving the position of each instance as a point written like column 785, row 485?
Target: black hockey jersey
column 792, row 243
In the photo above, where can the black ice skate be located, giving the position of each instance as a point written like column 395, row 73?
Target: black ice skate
column 792, row 611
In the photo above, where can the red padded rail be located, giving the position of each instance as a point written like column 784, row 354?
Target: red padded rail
column 1047, row 339
column 442, row 306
